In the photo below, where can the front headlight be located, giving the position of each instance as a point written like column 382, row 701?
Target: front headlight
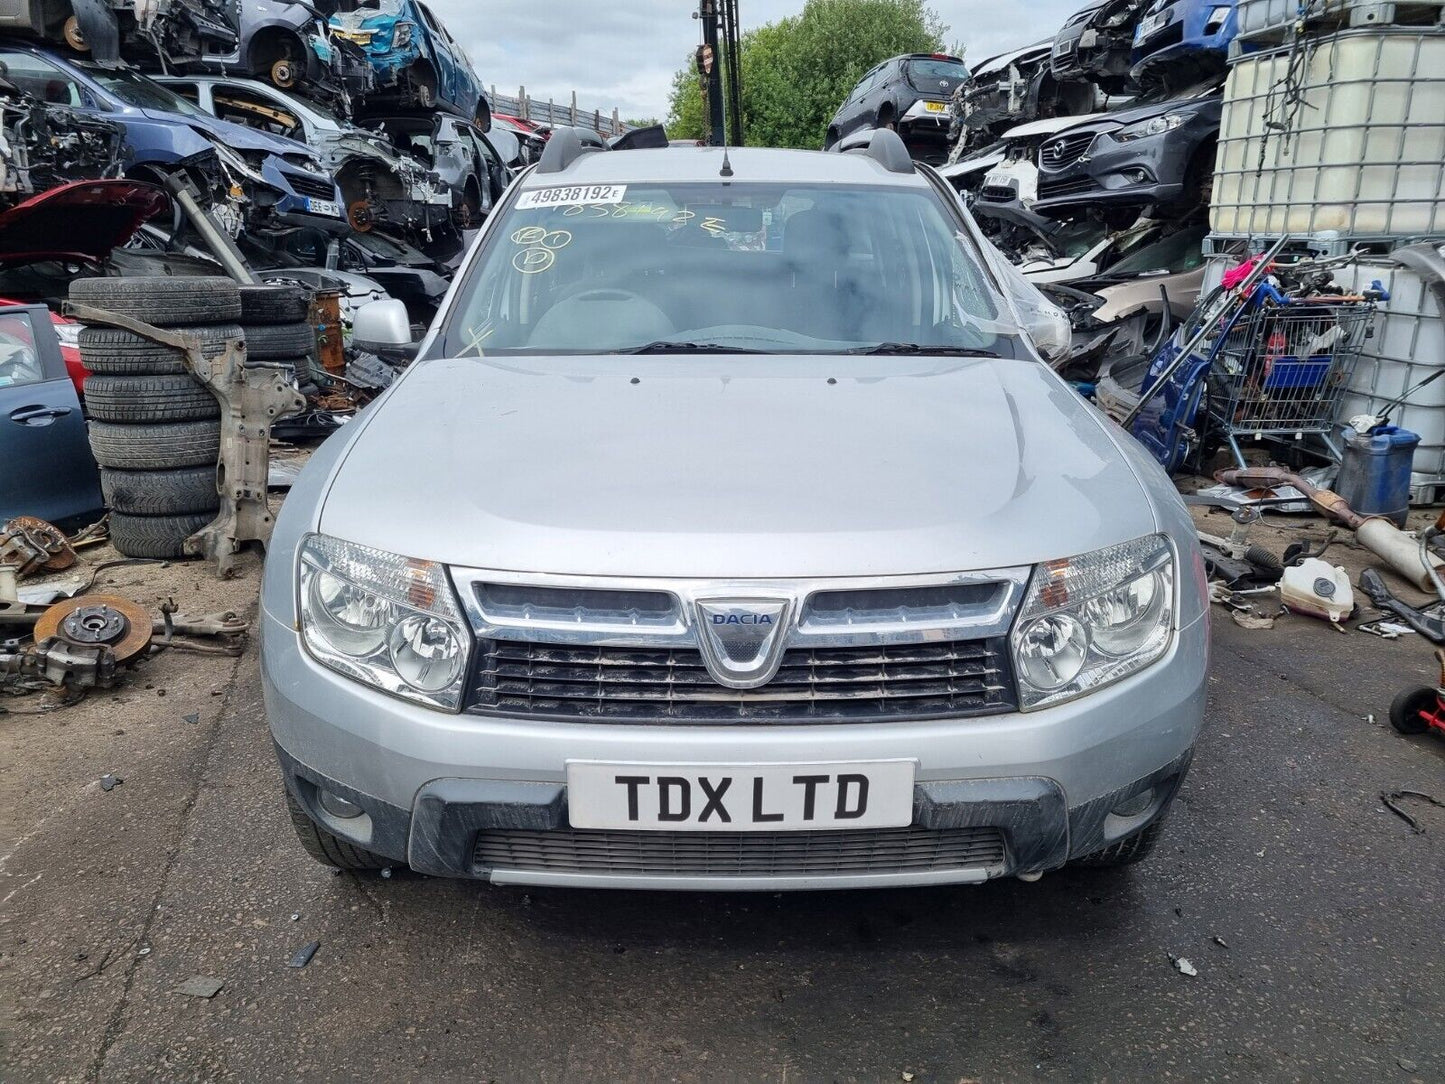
column 401, row 36
column 1091, row 620
column 1217, row 17
column 1152, row 127
column 383, row 619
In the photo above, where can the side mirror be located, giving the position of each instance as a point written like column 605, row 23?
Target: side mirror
column 382, row 327
column 1051, row 332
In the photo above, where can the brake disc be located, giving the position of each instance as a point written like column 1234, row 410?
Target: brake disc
column 91, row 620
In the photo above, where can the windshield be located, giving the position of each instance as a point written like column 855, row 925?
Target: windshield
column 771, row 268
column 137, row 90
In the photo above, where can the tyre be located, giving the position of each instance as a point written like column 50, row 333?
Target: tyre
column 109, row 351
column 155, row 447
column 140, row 399
column 155, row 536
column 1406, row 708
column 267, row 343
column 1127, row 851
column 274, row 303
column 326, row 848
column 163, row 300
column 160, row 492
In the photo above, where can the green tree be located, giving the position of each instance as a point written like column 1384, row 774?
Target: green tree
column 641, row 122
column 796, row 72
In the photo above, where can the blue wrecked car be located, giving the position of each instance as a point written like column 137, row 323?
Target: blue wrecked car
column 413, row 57
column 252, row 180
column 1179, row 43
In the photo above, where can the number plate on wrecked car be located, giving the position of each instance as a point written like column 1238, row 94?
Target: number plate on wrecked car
column 751, row 798
column 323, row 207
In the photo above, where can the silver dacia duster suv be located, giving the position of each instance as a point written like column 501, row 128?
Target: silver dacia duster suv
column 729, row 532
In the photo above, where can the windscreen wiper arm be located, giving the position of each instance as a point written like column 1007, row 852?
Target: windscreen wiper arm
column 915, row 348
column 663, row 346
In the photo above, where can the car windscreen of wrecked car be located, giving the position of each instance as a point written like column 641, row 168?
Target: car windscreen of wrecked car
column 744, row 267
column 143, row 93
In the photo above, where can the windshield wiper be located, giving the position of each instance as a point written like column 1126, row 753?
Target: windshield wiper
column 663, row 346
column 915, row 348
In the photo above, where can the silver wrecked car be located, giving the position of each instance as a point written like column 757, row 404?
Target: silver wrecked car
column 729, row 533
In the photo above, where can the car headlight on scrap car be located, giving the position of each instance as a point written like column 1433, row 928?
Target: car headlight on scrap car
column 1154, row 126
column 383, row 619
column 1091, row 620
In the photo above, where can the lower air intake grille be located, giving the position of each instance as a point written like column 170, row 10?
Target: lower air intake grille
column 308, row 184
column 741, row 854
column 878, row 682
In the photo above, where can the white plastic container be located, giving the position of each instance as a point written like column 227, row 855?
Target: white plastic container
column 1362, row 151
column 1316, row 588
column 1273, row 20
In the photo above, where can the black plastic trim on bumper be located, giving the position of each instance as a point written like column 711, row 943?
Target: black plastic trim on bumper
column 438, row 836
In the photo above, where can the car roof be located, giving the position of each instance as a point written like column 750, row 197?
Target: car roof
column 749, row 164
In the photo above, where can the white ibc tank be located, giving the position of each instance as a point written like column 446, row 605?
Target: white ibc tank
column 1348, row 135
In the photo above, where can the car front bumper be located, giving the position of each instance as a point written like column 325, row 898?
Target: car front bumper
column 430, row 782
column 1138, row 172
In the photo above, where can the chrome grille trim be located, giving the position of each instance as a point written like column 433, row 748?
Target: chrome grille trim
column 879, row 683
column 741, row 854
column 1059, row 152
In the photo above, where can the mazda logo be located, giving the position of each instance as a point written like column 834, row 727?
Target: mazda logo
column 1059, row 148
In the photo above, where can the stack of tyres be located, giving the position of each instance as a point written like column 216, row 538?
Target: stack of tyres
column 278, row 332
column 154, row 429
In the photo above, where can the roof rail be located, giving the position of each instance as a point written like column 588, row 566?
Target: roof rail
column 887, row 149
column 565, row 146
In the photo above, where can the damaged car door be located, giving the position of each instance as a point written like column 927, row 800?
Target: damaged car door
column 46, row 468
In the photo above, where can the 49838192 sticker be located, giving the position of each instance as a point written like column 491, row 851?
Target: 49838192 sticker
column 575, row 195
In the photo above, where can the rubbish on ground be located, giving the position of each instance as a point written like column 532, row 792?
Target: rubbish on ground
column 1251, row 621
column 1421, row 709
column 1317, row 589
column 109, row 781
column 1431, row 626
column 1184, row 967
column 1385, row 630
column 1392, row 797
column 1221, row 942
column 1379, row 536
column 1375, row 470
column 303, row 955
column 193, row 718
column 200, row 986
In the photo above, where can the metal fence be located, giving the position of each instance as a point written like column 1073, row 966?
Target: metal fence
column 550, row 111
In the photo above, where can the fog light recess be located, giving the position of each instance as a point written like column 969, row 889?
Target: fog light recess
column 1132, row 807
column 337, row 806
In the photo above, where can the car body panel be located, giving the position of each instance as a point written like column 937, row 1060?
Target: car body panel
column 412, row 198
column 47, row 470
column 1097, row 171
column 724, row 475
column 158, row 138
column 1097, row 43
column 397, row 37
column 1178, row 42
column 890, row 92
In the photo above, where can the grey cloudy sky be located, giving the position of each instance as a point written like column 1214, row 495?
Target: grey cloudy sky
column 623, row 52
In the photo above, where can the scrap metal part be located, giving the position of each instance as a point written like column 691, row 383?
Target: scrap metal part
column 34, row 546
column 93, row 621
column 252, row 400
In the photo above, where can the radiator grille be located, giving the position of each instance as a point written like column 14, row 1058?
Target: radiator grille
column 741, row 854
column 308, row 184
column 1066, row 188
column 1066, row 150
column 872, row 683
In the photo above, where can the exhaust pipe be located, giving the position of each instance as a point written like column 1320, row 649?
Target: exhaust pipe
column 1381, row 537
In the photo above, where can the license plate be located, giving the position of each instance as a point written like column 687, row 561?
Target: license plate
column 323, row 207
column 743, row 798
column 933, row 107
column 1148, row 26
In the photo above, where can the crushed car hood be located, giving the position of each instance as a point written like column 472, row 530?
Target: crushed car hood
column 236, row 136
column 720, row 466
column 82, row 220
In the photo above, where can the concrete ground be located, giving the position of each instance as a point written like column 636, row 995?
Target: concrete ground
column 1311, row 914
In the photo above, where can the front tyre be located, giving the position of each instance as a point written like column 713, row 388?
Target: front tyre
column 1405, row 711
column 326, row 848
